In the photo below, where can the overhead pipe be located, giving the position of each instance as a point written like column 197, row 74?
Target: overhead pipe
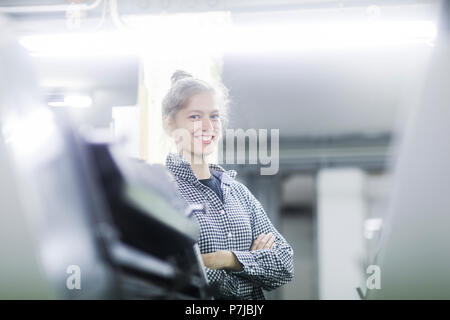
column 51, row 8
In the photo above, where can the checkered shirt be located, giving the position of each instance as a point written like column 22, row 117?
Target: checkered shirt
column 234, row 225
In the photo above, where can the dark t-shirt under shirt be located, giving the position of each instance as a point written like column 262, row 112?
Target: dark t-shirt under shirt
column 214, row 183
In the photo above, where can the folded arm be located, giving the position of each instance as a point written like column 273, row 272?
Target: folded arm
column 230, row 286
column 270, row 268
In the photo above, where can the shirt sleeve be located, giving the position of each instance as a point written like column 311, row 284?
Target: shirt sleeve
column 230, row 286
column 270, row 268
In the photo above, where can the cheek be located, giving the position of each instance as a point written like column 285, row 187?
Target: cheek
column 182, row 131
column 181, row 123
column 185, row 125
column 217, row 126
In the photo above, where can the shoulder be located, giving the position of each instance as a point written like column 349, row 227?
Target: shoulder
column 239, row 186
column 240, row 190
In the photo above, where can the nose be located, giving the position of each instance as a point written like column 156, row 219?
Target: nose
column 207, row 124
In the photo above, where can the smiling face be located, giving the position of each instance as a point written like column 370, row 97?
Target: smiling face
column 196, row 126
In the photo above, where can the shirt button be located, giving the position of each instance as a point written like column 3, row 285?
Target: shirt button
column 222, row 211
column 229, row 234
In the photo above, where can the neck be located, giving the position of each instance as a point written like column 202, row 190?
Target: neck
column 199, row 166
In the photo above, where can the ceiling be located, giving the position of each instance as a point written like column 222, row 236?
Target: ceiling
column 303, row 93
column 322, row 93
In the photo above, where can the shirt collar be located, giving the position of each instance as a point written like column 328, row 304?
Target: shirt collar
column 181, row 168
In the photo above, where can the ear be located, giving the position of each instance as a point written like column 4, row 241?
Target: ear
column 168, row 124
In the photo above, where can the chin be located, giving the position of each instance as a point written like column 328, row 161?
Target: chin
column 206, row 151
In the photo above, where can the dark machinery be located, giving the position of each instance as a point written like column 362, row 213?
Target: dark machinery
column 79, row 220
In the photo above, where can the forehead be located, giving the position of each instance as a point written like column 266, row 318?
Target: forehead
column 202, row 102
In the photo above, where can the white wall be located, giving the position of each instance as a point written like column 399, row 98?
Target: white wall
column 341, row 210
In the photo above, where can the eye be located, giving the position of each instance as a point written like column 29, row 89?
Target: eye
column 194, row 116
column 215, row 116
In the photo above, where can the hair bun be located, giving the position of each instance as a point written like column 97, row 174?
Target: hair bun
column 178, row 75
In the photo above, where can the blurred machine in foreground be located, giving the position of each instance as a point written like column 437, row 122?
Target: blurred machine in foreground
column 77, row 219
column 414, row 259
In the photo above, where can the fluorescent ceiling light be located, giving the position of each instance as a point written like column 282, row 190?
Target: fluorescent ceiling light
column 74, row 101
column 331, row 35
column 28, row 134
column 79, row 44
column 78, row 101
column 183, row 38
column 57, row 104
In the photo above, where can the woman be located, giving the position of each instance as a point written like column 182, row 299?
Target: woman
column 242, row 251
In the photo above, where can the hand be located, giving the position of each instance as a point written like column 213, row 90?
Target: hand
column 264, row 241
column 212, row 260
column 221, row 259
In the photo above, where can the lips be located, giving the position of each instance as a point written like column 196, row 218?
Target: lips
column 206, row 139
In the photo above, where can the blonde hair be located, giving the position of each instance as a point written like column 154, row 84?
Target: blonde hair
column 184, row 85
